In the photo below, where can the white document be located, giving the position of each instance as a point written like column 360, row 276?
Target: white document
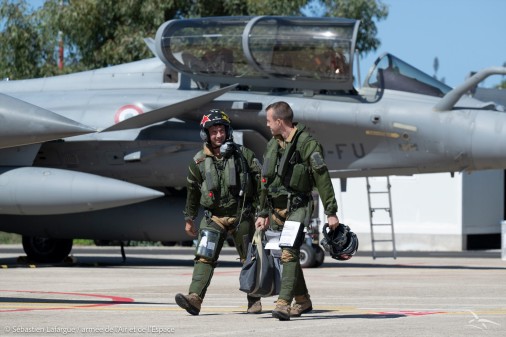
column 272, row 244
column 289, row 233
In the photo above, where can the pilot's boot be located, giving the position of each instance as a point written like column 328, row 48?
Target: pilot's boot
column 282, row 310
column 301, row 306
column 190, row 303
column 254, row 305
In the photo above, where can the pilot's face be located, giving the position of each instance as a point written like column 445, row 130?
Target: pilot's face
column 273, row 123
column 217, row 135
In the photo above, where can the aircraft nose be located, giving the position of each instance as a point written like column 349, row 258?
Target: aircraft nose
column 489, row 140
column 24, row 123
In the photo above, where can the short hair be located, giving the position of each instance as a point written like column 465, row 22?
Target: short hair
column 281, row 110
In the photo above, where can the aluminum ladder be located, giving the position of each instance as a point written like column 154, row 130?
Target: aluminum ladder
column 380, row 212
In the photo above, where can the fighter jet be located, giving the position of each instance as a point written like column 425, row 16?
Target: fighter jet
column 24, row 188
column 400, row 122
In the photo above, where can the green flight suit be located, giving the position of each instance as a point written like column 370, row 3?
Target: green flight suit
column 215, row 184
column 292, row 169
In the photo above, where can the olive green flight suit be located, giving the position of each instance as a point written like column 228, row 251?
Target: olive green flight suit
column 215, row 184
column 292, row 169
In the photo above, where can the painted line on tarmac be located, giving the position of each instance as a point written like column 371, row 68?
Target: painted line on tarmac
column 119, row 303
column 28, row 306
column 434, row 311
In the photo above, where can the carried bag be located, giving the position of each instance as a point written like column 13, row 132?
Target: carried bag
column 261, row 273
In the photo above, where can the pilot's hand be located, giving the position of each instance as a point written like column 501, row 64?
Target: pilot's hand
column 190, row 229
column 333, row 221
column 261, row 223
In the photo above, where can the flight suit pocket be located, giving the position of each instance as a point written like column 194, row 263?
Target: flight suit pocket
column 301, row 179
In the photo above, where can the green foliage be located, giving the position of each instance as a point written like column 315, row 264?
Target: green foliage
column 23, row 51
column 99, row 33
column 106, row 32
column 9, row 238
column 83, row 242
column 368, row 12
column 275, row 7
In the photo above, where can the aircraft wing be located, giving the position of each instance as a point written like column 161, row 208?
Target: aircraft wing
column 169, row 111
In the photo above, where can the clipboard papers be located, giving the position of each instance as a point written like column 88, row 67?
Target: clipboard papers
column 289, row 233
column 272, row 238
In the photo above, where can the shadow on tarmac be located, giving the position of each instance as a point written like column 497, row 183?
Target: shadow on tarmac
column 416, row 266
column 106, row 262
column 161, row 257
column 112, row 262
column 311, row 316
column 75, row 302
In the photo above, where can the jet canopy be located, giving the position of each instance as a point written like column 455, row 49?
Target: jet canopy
column 390, row 72
column 263, row 51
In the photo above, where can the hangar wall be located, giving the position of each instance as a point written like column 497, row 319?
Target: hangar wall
column 431, row 212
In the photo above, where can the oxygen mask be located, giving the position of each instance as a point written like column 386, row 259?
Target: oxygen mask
column 227, row 149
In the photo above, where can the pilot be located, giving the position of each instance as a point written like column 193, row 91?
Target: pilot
column 330, row 64
column 293, row 166
column 223, row 179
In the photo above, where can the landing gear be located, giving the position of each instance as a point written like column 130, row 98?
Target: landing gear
column 319, row 255
column 307, row 256
column 311, row 253
column 46, row 250
column 311, row 256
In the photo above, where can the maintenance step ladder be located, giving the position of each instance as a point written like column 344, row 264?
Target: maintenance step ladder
column 380, row 214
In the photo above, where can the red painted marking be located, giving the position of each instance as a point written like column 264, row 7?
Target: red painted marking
column 127, row 111
column 204, row 120
column 114, row 300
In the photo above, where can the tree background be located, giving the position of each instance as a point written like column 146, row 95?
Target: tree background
column 100, row 33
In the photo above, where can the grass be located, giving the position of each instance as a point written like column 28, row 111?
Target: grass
column 12, row 238
column 9, row 238
column 83, row 242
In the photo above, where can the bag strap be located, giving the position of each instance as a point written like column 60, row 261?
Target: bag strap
column 257, row 237
column 257, row 241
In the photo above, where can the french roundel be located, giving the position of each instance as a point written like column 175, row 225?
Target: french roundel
column 127, row 111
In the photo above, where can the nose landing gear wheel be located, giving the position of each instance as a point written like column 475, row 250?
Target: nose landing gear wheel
column 307, row 256
column 46, row 250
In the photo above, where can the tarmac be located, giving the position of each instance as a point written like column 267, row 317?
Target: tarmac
column 96, row 293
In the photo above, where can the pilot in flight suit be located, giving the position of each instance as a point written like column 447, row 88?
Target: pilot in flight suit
column 293, row 166
column 223, row 179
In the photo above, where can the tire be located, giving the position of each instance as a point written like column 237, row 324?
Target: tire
column 46, row 250
column 319, row 255
column 307, row 256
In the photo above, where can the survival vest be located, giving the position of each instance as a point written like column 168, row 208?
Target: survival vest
column 294, row 173
column 223, row 180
